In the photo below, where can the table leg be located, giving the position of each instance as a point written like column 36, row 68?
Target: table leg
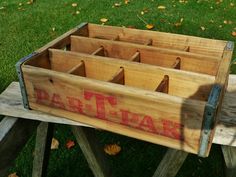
column 14, row 133
column 171, row 163
column 92, row 151
column 229, row 154
column 42, row 149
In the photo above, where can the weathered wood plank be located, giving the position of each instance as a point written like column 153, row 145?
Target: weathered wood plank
column 80, row 95
column 139, row 75
column 149, row 55
column 42, row 149
column 14, row 133
column 171, row 163
column 230, row 160
column 11, row 105
column 92, row 150
column 160, row 39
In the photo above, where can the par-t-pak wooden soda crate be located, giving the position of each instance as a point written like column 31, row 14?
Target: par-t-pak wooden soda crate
column 159, row 87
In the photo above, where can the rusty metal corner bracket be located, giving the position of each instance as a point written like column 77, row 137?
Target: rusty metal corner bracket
column 209, row 119
column 21, row 79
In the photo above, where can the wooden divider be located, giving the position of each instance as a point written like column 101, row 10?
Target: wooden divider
column 208, row 47
column 135, row 74
column 147, row 54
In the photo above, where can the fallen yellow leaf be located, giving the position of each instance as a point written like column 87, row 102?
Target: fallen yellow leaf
column 231, row 4
column 126, row 1
column 234, row 33
column 203, row 28
column 74, row 4
column 117, row 4
column 149, row 26
column 54, row 143
column 13, row 175
column 103, row 20
column 161, row 7
column 112, row 149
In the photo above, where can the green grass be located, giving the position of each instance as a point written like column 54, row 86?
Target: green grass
column 23, row 31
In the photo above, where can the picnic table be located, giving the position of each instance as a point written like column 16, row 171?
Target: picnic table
column 18, row 125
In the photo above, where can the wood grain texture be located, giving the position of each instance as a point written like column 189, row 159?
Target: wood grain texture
column 171, row 163
column 149, row 55
column 14, row 134
column 194, row 85
column 160, row 39
column 11, row 105
column 42, row 149
column 138, row 102
column 92, row 150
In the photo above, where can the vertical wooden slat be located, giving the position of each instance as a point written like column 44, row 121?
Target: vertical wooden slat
column 164, row 85
column 100, row 52
column 78, row 70
column 229, row 154
column 118, row 77
column 171, row 163
column 42, row 149
column 92, row 151
column 149, row 42
column 135, row 57
column 14, row 134
column 177, row 64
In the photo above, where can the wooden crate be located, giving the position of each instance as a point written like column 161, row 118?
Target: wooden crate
column 159, row 87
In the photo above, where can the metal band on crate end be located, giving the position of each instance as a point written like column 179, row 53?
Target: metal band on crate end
column 229, row 45
column 81, row 25
column 209, row 119
column 21, row 79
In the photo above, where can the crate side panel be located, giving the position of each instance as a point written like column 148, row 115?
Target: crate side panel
column 173, row 122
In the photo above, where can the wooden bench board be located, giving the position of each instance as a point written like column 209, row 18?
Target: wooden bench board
column 11, row 105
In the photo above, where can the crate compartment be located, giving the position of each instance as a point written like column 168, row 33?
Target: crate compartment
column 137, row 75
column 158, row 87
column 158, row 39
column 146, row 54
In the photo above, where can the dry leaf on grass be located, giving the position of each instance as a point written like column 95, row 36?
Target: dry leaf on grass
column 112, row 149
column 177, row 24
column 13, row 175
column 126, row 1
column 234, row 33
column 54, row 143
column 149, row 26
column 161, row 7
column 117, row 4
column 103, row 20
column 70, row 144
column 203, row 28
column 74, row 4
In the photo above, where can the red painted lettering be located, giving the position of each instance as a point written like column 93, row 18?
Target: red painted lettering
column 129, row 120
column 56, row 101
column 75, row 105
column 100, row 102
column 40, row 95
column 147, row 124
column 172, row 129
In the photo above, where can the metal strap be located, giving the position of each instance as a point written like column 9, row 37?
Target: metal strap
column 209, row 118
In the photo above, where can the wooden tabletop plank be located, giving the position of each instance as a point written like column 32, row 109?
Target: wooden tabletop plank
column 11, row 105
